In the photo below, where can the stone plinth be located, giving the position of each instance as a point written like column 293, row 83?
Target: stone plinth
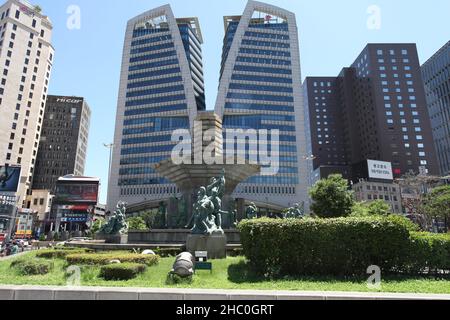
column 173, row 236
column 215, row 245
column 113, row 238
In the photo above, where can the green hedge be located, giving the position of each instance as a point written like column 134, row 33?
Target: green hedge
column 122, row 271
column 429, row 252
column 167, row 252
column 60, row 253
column 105, row 258
column 340, row 246
column 31, row 267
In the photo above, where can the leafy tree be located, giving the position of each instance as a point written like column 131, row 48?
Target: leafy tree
column 416, row 186
column 137, row 224
column 373, row 208
column 359, row 209
column 379, row 208
column 332, row 197
column 437, row 204
column 96, row 226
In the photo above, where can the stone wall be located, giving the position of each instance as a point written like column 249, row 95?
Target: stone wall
column 173, row 236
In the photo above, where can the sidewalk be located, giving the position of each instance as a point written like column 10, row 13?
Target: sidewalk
column 15, row 256
column 103, row 293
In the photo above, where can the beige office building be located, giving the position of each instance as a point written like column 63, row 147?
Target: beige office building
column 368, row 191
column 26, row 57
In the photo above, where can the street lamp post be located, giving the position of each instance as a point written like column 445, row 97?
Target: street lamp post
column 110, row 146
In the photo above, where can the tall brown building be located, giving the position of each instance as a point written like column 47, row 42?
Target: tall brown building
column 63, row 146
column 375, row 109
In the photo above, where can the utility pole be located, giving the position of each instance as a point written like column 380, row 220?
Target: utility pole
column 110, row 146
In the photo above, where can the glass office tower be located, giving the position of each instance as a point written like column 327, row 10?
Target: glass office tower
column 260, row 88
column 436, row 76
column 161, row 90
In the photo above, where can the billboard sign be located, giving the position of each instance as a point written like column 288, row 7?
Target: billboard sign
column 28, row 11
column 9, row 179
column 7, row 205
column 75, row 217
column 68, row 193
column 380, row 170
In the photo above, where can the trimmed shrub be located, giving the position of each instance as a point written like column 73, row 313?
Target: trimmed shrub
column 236, row 252
column 60, row 253
column 167, row 252
column 174, row 279
column 105, row 258
column 408, row 224
column 429, row 253
column 32, row 267
column 123, row 271
column 340, row 246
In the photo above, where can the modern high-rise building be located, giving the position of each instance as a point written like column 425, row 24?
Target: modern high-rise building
column 327, row 144
column 436, row 76
column 260, row 88
column 161, row 90
column 64, row 139
column 26, row 57
column 376, row 109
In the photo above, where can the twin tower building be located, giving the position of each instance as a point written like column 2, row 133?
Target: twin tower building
column 162, row 90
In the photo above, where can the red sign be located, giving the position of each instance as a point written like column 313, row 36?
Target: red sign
column 268, row 18
column 27, row 10
column 2, row 237
column 76, row 193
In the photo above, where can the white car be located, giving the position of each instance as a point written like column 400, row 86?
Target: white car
column 23, row 243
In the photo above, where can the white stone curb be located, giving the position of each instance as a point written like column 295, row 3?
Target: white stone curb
column 104, row 293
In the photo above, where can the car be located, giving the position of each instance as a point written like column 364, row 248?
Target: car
column 23, row 243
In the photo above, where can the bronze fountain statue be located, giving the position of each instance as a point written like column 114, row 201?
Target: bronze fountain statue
column 207, row 210
column 117, row 224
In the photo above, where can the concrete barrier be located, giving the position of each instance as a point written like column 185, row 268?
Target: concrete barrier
column 100, row 246
column 173, row 236
column 102, row 293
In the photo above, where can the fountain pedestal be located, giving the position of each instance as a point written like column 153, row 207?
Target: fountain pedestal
column 214, row 244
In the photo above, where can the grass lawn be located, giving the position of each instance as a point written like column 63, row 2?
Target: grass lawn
column 231, row 273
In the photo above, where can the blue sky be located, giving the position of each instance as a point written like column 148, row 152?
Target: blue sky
column 332, row 34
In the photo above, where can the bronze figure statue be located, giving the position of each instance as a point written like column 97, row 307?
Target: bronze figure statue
column 207, row 210
column 117, row 223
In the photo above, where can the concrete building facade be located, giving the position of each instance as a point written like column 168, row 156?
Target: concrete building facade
column 379, row 113
column 26, row 59
column 369, row 191
column 64, row 141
